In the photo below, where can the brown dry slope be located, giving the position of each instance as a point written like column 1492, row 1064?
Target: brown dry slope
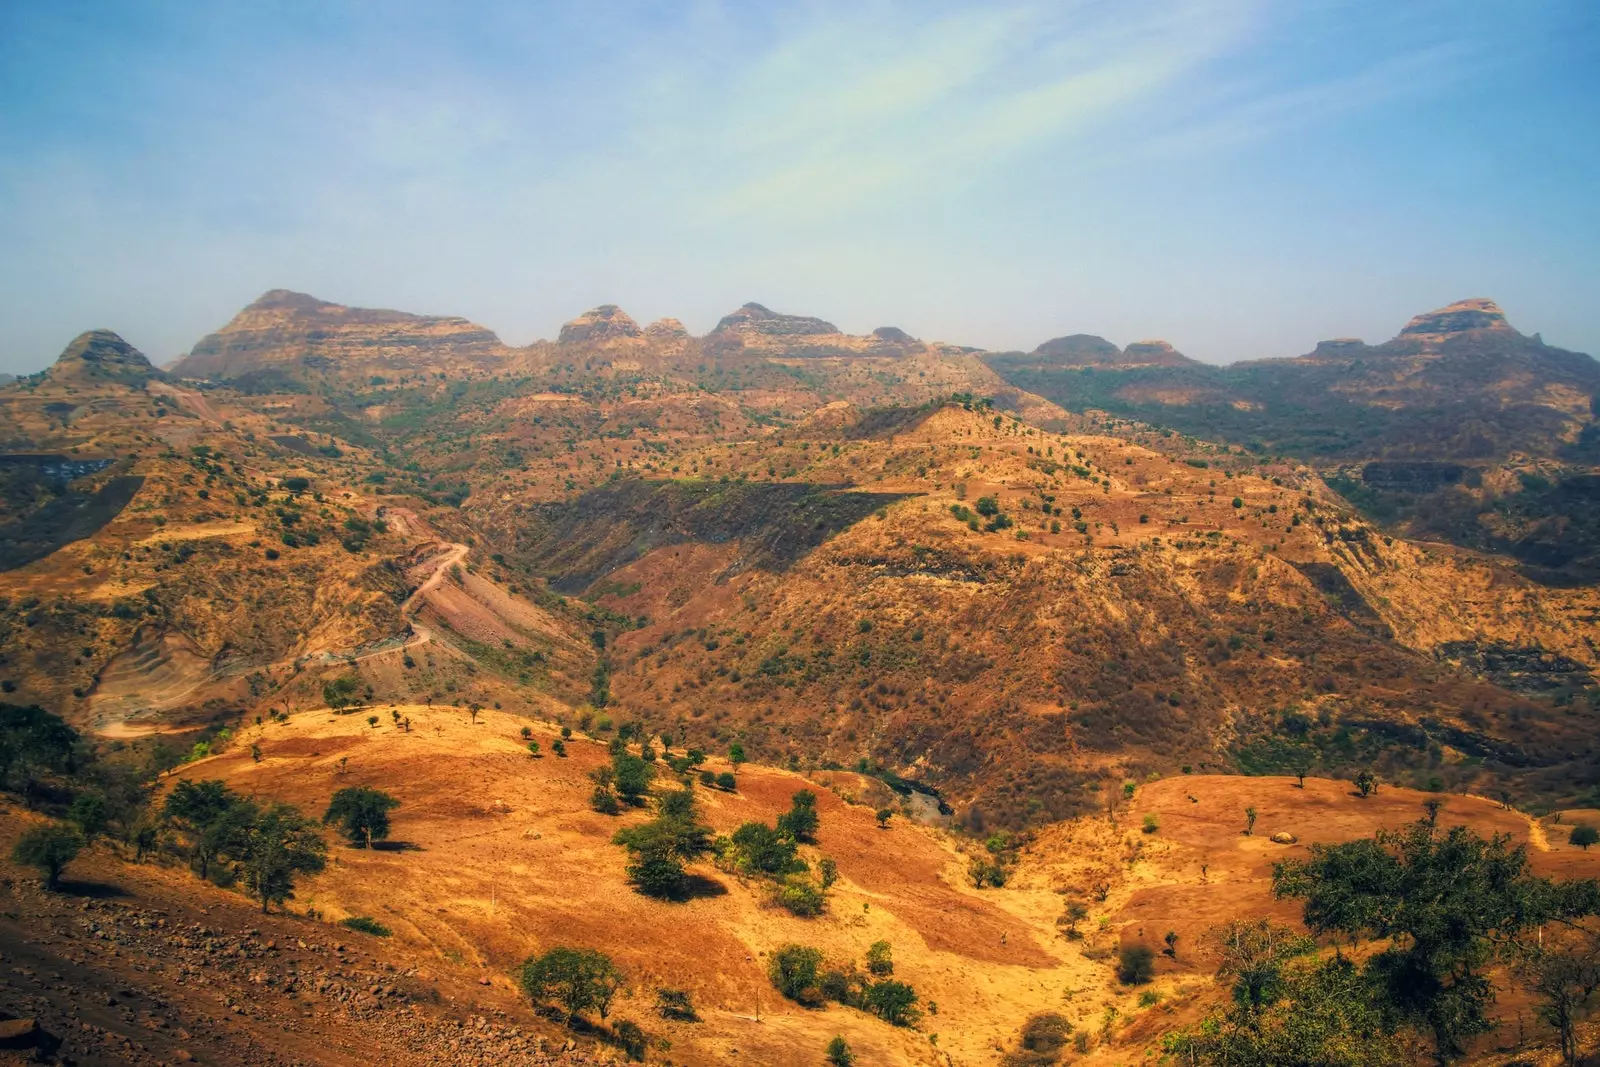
column 503, row 857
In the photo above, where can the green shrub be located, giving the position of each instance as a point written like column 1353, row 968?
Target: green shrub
column 800, row 896
column 675, row 1004
column 880, row 959
column 892, row 1001
column 793, row 972
column 366, row 925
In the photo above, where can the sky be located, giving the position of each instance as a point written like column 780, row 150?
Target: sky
column 1241, row 178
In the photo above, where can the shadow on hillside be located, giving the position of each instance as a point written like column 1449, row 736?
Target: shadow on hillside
column 397, row 846
column 699, row 887
column 93, row 890
column 77, row 513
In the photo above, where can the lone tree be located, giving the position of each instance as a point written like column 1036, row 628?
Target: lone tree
column 579, row 979
column 884, row 815
column 838, row 1053
column 1443, row 904
column 49, row 848
column 1366, row 784
column 1249, row 821
column 1583, row 835
column 362, row 814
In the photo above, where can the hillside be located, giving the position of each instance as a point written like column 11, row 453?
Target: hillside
column 494, row 856
column 1458, row 429
column 724, row 536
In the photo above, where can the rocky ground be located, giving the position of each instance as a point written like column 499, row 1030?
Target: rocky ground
column 127, row 972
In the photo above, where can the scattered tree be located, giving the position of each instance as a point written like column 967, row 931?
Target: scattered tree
column 1564, row 972
column 49, row 848
column 362, row 814
column 800, row 821
column 659, row 849
column 883, row 816
column 892, row 1001
column 340, row 693
column 759, row 849
column 880, row 959
column 1136, row 964
column 88, row 813
column 675, row 1004
column 793, row 972
column 1433, row 805
column 272, row 846
column 1441, row 903
column 578, row 979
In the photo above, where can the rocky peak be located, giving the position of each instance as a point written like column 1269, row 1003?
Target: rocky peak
column 893, row 335
column 1464, row 315
column 604, row 323
column 100, row 355
column 287, row 300
column 753, row 318
column 665, row 330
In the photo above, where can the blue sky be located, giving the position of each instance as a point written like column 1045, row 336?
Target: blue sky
column 1239, row 177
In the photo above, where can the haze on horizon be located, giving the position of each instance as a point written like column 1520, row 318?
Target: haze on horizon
column 1239, row 177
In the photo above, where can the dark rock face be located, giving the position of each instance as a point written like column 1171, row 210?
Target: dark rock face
column 1517, row 668
column 1415, row 477
column 604, row 323
column 753, row 318
column 102, row 356
column 892, row 334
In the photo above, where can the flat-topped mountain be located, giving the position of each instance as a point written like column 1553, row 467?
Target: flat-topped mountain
column 290, row 335
column 1089, row 350
column 753, row 318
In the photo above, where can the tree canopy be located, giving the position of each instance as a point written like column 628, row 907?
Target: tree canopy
column 361, row 813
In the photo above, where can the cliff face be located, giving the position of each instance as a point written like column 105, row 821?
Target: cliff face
column 287, row 335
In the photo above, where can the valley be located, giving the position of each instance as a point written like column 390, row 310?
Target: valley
column 1035, row 630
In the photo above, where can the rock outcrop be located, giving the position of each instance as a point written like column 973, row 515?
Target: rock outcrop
column 598, row 325
column 101, row 357
column 291, row 335
column 1478, row 313
column 753, row 318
